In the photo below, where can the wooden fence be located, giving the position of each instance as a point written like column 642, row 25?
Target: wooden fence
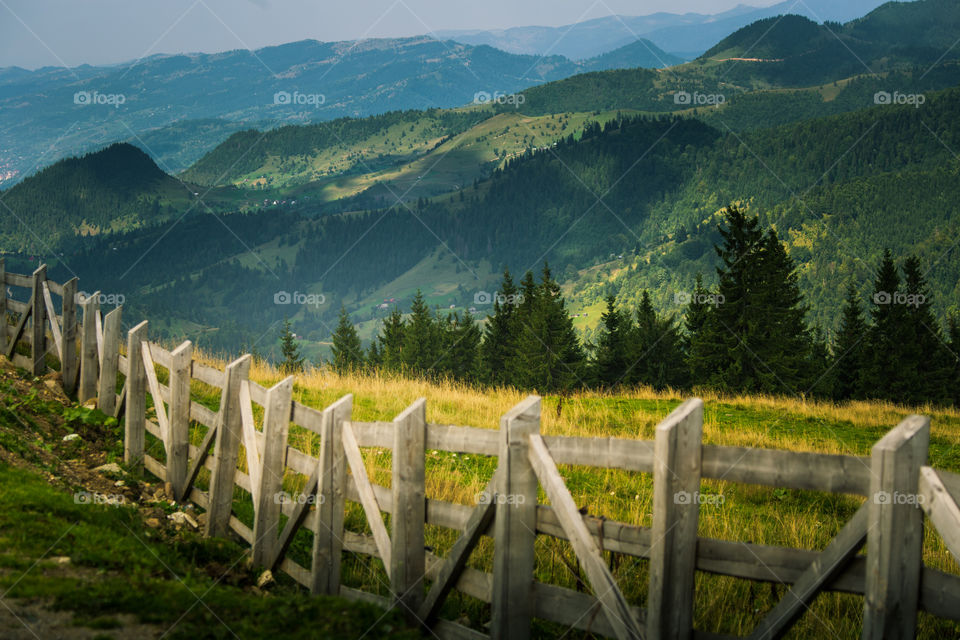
column 891, row 576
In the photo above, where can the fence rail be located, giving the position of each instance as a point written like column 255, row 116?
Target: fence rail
column 891, row 576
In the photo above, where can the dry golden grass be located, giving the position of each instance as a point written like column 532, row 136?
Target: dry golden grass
column 748, row 513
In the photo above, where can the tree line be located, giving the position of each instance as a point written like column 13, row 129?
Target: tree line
column 748, row 334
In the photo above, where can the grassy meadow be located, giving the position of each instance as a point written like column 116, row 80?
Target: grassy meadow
column 800, row 519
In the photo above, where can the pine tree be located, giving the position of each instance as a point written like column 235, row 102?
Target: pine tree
column 953, row 332
column 755, row 339
column 549, row 356
column 883, row 375
column 347, row 349
column 849, row 346
column 290, row 350
column 498, row 338
column 420, row 341
column 391, row 341
column 719, row 355
column 926, row 348
column 656, row 349
column 461, row 357
column 610, row 360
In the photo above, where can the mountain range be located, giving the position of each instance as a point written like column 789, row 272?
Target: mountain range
column 683, row 35
column 55, row 112
column 607, row 176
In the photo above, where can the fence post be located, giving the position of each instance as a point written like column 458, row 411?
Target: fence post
column 135, row 417
column 38, row 342
column 89, row 353
column 273, row 461
column 895, row 532
column 227, row 448
column 179, row 452
column 328, row 539
column 107, row 393
column 407, row 555
column 68, row 359
column 4, row 328
column 673, row 548
column 515, row 527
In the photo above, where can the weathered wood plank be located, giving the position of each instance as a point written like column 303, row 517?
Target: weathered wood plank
column 328, row 527
column 109, row 364
column 941, row 507
column 676, row 509
column 409, row 507
column 251, row 444
column 895, row 538
column 604, row 586
column 788, row 469
column 153, row 386
column 296, row 519
column 208, row 375
column 181, row 361
column 515, row 524
column 38, row 342
column 367, row 498
column 828, row 565
column 4, row 329
column 134, row 423
column 68, row 357
column 456, row 561
column 226, row 449
column 89, row 355
column 52, row 317
column 18, row 280
column 276, row 424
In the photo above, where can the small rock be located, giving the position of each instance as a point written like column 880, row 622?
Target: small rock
column 152, row 522
column 181, row 518
column 71, row 437
column 90, row 404
column 266, row 578
column 112, row 467
column 119, row 483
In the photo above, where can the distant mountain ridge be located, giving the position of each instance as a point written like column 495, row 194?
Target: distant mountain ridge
column 300, row 82
column 683, row 35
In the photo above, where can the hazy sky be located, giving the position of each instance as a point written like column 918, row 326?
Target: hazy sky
column 36, row 33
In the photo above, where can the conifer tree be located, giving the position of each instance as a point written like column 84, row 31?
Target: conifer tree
column 849, row 346
column 391, row 341
column 610, row 360
column 290, row 350
column 461, row 356
column 656, row 349
column 347, row 349
column 953, row 333
column 549, row 356
column 498, row 338
column 421, row 338
column 883, row 375
column 926, row 350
